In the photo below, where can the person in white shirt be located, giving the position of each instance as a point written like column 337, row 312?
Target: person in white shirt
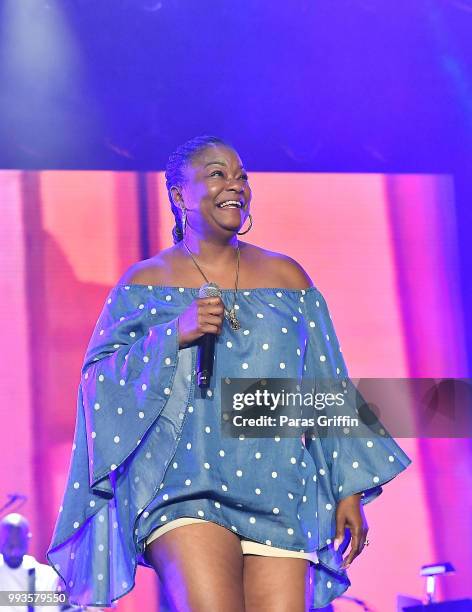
column 20, row 571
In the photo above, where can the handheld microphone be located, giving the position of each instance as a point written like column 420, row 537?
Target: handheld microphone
column 206, row 346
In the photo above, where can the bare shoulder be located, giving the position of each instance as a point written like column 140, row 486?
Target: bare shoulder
column 284, row 271
column 152, row 271
column 293, row 275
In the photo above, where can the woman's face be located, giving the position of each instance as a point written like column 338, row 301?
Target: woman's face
column 216, row 175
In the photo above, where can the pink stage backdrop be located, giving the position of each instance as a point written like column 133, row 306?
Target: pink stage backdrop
column 382, row 249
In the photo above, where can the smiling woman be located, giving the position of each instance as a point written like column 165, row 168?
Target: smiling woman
column 259, row 521
column 205, row 184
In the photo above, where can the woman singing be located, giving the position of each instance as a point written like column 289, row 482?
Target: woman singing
column 228, row 523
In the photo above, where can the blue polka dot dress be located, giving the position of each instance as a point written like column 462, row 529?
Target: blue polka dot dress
column 148, row 445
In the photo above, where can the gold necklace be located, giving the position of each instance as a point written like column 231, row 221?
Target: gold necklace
column 229, row 314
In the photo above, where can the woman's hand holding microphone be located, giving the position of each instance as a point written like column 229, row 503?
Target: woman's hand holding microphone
column 203, row 316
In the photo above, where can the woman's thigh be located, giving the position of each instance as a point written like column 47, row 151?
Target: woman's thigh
column 200, row 567
column 276, row 584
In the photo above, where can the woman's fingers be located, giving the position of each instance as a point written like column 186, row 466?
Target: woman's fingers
column 340, row 526
column 214, row 301
column 203, row 316
column 210, row 315
column 212, row 324
column 350, row 514
column 358, row 538
column 211, row 307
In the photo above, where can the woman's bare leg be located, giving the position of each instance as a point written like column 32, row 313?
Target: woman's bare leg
column 200, row 567
column 276, row 584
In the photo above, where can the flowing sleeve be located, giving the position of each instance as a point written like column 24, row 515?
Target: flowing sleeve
column 346, row 461
column 126, row 380
column 359, row 460
column 129, row 365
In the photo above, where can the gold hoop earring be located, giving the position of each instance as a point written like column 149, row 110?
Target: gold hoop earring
column 246, row 231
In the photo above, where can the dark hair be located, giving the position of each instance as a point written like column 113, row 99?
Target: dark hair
column 175, row 172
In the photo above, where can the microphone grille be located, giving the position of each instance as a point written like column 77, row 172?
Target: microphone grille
column 209, row 290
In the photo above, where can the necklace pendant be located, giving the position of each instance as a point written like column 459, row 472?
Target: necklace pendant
column 233, row 320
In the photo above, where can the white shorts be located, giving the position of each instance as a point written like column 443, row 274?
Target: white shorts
column 249, row 546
